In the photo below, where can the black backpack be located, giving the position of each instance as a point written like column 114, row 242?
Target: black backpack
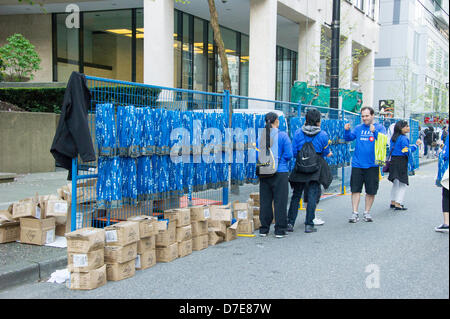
column 307, row 160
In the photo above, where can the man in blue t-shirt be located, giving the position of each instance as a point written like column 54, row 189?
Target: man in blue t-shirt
column 364, row 169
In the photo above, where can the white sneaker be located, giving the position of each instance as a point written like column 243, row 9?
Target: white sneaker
column 318, row 222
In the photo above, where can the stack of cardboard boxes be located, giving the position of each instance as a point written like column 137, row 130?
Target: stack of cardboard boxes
column 9, row 228
column 243, row 213
column 146, row 246
column 220, row 225
column 121, row 250
column 166, row 241
column 85, row 256
column 256, row 208
column 200, row 216
column 181, row 217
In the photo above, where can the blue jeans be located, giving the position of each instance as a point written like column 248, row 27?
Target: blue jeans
column 312, row 192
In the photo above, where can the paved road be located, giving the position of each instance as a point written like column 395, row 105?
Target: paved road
column 412, row 259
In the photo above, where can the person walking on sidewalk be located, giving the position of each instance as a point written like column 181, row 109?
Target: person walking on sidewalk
column 364, row 169
column 309, row 180
column 443, row 228
column 275, row 188
column 398, row 169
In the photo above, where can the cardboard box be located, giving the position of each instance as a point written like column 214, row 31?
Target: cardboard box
column 37, row 231
column 199, row 228
column 200, row 242
column 146, row 244
column 221, row 214
column 255, row 198
column 231, row 233
column 255, row 211
column 77, row 262
column 167, row 254
column 184, row 233
column 200, row 213
column 185, row 248
column 245, row 227
column 256, row 222
column 120, row 254
column 85, row 239
column 146, row 225
column 9, row 228
column 145, row 260
column 167, row 237
column 88, row 280
column 27, row 208
column 57, row 208
column 182, row 216
column 246, row 215
column 218, row 226
column 214, row 238
column 122, row 234
column 161, row 225
column 116, row 272
column 61, row 230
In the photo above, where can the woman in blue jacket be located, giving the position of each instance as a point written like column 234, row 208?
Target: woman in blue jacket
column 398, row 170
column 275, row 189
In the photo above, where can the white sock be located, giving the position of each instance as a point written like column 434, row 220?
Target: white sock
column 365, row 213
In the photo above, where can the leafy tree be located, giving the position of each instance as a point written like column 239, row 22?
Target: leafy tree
column 19, row 57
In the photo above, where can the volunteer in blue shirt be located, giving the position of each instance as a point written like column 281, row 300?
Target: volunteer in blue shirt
column 310, row 132
column 398, row 170
column 275, row 188
column 443, row 228
column 364, row 169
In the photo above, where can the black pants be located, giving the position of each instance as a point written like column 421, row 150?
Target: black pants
column 274, row 189
column 312, row 192
column 444, row 200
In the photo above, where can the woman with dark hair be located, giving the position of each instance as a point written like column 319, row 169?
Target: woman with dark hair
column 309, row 182
column 398, row 170
column 274, row 188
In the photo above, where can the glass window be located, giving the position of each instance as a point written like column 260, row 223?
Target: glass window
column 244, row 69
column 416, row 47
column 200, row 57
column 187, row 53
column 67, row 49
column 359, row 4
column 211, row 61
column 430, row 54
column 229, row 38
column 107, row 44
column 140, row 45
column 371, row 9
column 178, row 30
column 325, row 56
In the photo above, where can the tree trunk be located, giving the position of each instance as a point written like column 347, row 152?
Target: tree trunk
column 220, row 46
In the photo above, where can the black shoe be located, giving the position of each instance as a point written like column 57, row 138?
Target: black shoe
column 281, row 235
column 400, row 208
column 290, row 228
column 310, row 229
column 392, row 206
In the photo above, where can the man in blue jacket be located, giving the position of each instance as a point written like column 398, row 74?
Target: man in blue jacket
column 364, row 169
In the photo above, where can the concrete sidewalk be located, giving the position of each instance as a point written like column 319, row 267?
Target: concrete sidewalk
column 23, row 263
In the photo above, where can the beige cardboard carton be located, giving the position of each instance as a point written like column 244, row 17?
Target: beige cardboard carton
column 167, row 254
column 214, row 238
column 161, row 226
column 218, row 226
column 245, row 227
column 120, row 254
column 27, row 208
column 255, row 198
column 184, row 233
column 146, row 225
column 122, row 234
column 88, row 280
column 256, row 211
column 185, row 248
column 85, row 239
column 231, row 232
column 37, row 231
column 199, row 228
column 167, row 237
column 115, row 272
column 9, row 228
column 146, row 244
column 221, row 214
column 145, row 260
column 56, row 208
column 256, row 222
column 200, row 242
column 182, row 216
column 200, row 213
column 61, row 230
column 85, row 262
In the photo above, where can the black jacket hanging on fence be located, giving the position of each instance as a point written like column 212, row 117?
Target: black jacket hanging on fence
column 72, row 135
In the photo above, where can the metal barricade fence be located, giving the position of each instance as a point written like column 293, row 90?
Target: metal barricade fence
column 132, row 127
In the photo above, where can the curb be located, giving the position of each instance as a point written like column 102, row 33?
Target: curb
column 31, row 273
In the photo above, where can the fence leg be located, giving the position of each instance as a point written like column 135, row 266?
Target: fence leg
column 73, row 211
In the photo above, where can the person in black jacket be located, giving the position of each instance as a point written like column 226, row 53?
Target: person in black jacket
column 310, row 132
column 72, row 135
column 430, row 137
